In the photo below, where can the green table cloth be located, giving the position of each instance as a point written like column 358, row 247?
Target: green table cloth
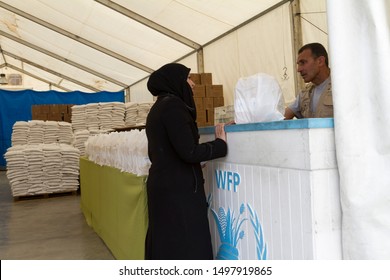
column 114, row 204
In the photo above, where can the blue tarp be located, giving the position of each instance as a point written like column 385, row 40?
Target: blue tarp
column 16, row 106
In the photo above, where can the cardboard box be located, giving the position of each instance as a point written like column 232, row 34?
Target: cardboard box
column 218, row 102
column 206, row 79
column 40, row 109
column 201, row 117
column 199, row 103
column 40, row 112
column 52, row 112
column 195, row 78
column 208, row 102
column 68, row 118
column 210, row 116
column 39, row 116
column 199, row 91
column 214, row 91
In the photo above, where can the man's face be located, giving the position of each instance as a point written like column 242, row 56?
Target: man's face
column 308, row 66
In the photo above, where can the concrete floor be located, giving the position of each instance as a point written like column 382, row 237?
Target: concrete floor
column 51, row 228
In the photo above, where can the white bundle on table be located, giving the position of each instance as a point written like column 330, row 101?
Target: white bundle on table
column 126, row 151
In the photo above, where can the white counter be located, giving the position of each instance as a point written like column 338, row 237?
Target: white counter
column 277, row 191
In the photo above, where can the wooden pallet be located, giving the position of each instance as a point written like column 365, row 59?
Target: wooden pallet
column 44, row 195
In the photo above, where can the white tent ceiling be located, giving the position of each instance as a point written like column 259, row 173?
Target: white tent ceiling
column 110, row 45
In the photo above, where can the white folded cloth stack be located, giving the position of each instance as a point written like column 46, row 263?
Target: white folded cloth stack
column 92, row 119
column 103, row 116
column 41, row 132
column 80, row 137
column 143, row 111
column 78, row 118
column 95, row 118
column 20, row 133
column 51, row 132
column 65, row 134
column 126, row 151
column 118, row 114
column 131, row 113
column 36, row 132
column 42, row 168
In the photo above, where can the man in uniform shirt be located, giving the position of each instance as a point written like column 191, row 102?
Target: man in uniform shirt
column 315, row 101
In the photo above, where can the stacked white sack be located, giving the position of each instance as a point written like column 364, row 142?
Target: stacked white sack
column 143, row 111
column 20, row 133
column 91, row 116
column 79, row 117
column 131, row 113
column 42, row 168
column 80, row 137
column 38, row 132
column 95, row 118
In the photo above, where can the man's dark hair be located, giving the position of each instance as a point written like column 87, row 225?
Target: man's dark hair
column 317, row 50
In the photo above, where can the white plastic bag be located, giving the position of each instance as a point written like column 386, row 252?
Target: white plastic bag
column 258, row 98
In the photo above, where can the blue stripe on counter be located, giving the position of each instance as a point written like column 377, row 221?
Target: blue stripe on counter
column 278, row 125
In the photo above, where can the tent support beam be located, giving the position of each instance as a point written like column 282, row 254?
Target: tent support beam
column 34, row 76
column 200, row 60
column 151, row 24
column 263, row 13
column 297, row 43
column 63, row 59
column 75, row 37
column 200, row 57
column 50, row 71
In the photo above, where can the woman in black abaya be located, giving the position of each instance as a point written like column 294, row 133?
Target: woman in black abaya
column 177, row 207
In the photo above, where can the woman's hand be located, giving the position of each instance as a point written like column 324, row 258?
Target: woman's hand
column 220, row 131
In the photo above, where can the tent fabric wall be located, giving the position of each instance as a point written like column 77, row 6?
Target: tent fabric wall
column 263, row 45
column 314, row 21
column 258, row 45
column 360, row 48
column 16, row 106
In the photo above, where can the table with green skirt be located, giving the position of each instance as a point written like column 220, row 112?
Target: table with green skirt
column 114, row 204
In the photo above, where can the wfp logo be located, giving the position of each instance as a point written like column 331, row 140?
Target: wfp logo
column 227, row 180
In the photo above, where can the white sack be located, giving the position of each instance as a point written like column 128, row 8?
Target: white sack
column 359, row 41
column 258, row 98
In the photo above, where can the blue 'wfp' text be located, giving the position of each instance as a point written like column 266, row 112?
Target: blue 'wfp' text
column 227, row 179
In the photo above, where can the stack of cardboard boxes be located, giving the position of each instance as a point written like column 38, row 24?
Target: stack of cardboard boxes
column 52, row 112
column 207, row 97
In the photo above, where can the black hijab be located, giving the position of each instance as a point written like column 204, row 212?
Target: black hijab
column 172, row 78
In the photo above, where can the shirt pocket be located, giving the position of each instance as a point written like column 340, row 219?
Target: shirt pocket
column 328, row 100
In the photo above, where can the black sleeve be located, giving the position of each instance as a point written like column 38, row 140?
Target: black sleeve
column 182, row 133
